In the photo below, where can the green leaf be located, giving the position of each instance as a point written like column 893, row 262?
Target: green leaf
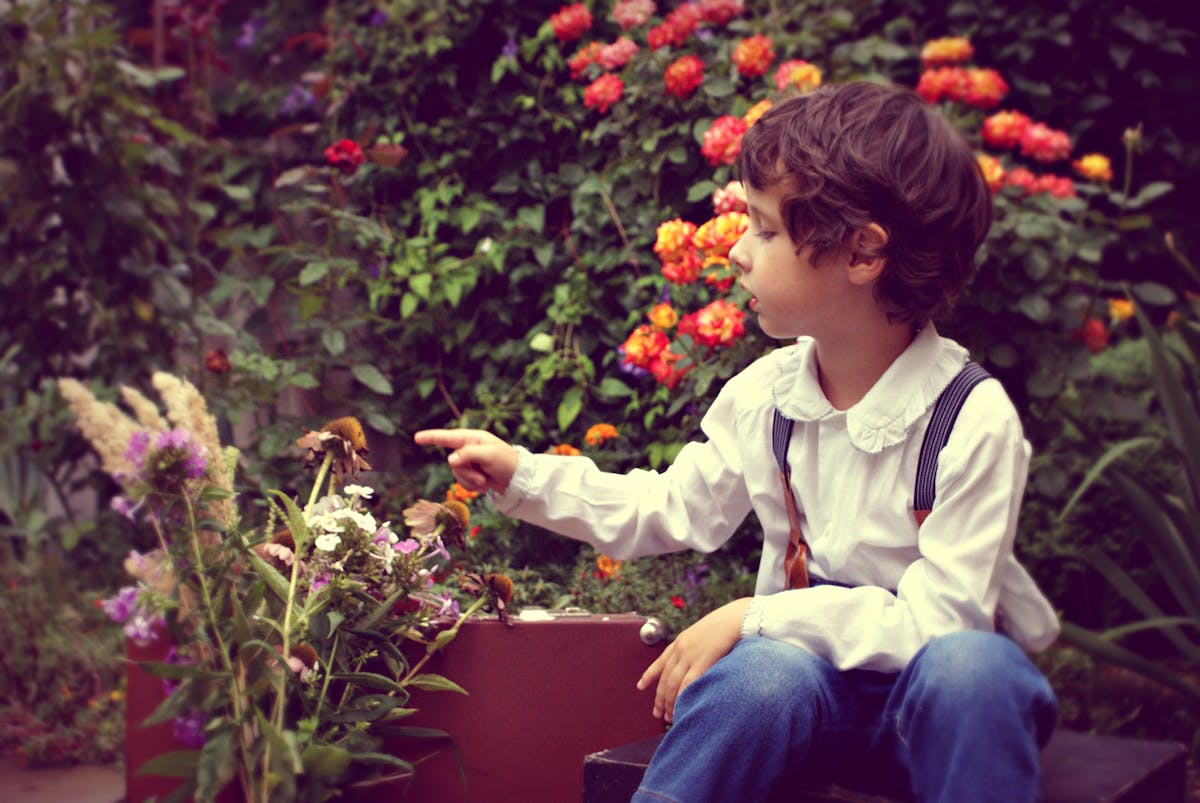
column 313, row 272
column 370, row 376
column 570, row 407
column 179, row 671
column 1112, row 455
column 1154, row 293
column 408, row 305
column 176, row 764
column 1100, row 647
column 718, row 86
column 421, row 284
column 1152, row 191
column 215, row 768
column 701, row 190
column 370, row 680
column 366, row 708
column 334, row 341
column 326, row 762
column 432, row 682
column 237, row 192
column 541, row 342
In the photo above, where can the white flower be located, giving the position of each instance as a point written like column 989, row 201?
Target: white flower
column 363, row 521
column 329, row 522
column 327, row 542
column 361, row 491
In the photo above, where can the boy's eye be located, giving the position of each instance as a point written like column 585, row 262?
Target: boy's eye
column 764, row 234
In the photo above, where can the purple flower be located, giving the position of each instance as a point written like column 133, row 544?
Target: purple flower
column 298, row 98
column 510, row 49
column 407, row 546
column 120, row 607
column 189, row 729
column 195, row 464
column 378, row 18
column 173, row 439
column 142, row 628
column 136, row 451
column 319, row 582
column 449, row 606
column 249, row 34
column 124, row 506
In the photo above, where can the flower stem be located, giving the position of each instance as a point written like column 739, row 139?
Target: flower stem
column 451, row 634
column 321, row 472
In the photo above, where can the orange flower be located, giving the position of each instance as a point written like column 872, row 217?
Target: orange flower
column 662, row 367
column 753, row 55
column 459, row 493
column 993, row 171
column 585, row 55
column 716, row 237
column 1093, row 334
column 1005, row 129
column 643, row 345
column 1044, row 143
column 683, row 75
column 1095, row 167
column 947, row 50
column 602, row 93
column 663, row 315
column 754, row 112
column 797, row 74
column 607, row 567
column 570, row 22
column 720, row 323
column 1120, row 309
column 674, row 239
column 599, row 433
column 984, row 88
column 684, row 270
column 943, row 82
column 565, row 449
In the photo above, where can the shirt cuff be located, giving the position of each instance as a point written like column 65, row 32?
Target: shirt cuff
column 753, row 618
column 519, row 486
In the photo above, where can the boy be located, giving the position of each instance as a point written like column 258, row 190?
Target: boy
column 870, row 642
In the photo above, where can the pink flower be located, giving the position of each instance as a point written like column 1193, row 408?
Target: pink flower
column 603, row 92
column 1004, row 129
column 632, row 13
column 614, row 56
column 984, row 88
column 753, row 55
column 723, row 140
column 719, row 12
column 683, row 75
column 730, row 198
column 570, row 22
column 585, row 55
column 943, row 82
column 346, row 155
column 676, row 28
column 1044, row 143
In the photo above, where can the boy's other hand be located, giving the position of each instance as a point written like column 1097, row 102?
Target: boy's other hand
column 692, row 653
column 480, row 461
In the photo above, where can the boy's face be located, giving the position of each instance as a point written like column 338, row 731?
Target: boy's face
column 792, row 296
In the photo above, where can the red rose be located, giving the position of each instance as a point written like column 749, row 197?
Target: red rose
column 346, row 155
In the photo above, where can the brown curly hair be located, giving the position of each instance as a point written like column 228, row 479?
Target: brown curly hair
column 860, row 153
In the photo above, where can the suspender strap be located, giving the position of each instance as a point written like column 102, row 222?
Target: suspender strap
column 795, row 560
column 941, row 422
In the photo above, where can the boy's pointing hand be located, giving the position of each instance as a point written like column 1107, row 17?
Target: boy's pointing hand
column 480, row 461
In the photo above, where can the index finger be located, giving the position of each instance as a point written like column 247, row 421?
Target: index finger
column 450, row 438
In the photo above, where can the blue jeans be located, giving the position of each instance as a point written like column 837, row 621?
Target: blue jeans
column 963, row 721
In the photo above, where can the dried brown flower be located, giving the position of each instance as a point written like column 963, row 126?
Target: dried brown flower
column 497, row 587
column 345, row 440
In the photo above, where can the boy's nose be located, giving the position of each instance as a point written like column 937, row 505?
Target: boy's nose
column 737, row 259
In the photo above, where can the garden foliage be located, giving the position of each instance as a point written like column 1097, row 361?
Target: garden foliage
column 486, row 214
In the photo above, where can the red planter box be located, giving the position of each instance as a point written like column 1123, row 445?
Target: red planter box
column 542, row 696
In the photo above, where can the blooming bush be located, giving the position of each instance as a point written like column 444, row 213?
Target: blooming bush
column 288, row 663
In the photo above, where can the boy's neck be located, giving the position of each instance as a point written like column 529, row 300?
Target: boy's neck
column 850, row 366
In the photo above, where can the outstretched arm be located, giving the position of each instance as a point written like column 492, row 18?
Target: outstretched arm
column 480, row 460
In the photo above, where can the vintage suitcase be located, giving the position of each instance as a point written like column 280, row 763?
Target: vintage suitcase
column 542, row 695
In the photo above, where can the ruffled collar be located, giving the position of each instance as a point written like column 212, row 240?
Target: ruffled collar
column 885, row 415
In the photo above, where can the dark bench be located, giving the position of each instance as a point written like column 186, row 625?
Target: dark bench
column 1076, row 767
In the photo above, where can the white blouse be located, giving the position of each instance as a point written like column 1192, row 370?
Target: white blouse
column 852, row 473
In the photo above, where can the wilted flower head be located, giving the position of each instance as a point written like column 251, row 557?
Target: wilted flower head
column 497, row 587
column 448, row 520
column 344, row 439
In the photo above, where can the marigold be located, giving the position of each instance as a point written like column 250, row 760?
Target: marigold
column 717, row 236
column 947, row 50
column 756, row 111
column 719, row 323
column 753, row 55
column 683, row 75
column 723, row 140
column 606, row 567
column 602, row 93
column 730, row 198
column 663, row 315
column 564, row 449
column 599, row 433
column 1094, row 167
column 1040, row 141
column 632, row 13
column 993, row 171
column 1120, row 309
column 1005, row 129
column 570, row 22
column 614, row 56
column 459, row 493
column 797, row 74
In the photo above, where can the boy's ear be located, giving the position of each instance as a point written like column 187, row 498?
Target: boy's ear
column 867, row 247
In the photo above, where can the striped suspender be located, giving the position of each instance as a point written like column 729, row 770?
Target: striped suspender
column 941, row 422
